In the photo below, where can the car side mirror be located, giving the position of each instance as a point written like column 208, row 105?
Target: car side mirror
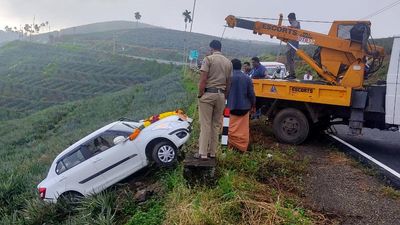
column 118, row 140
column 278, row 70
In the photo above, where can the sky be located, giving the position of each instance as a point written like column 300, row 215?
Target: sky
column 209, row 14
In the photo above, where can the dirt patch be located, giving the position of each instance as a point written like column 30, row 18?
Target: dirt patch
column 337, row 187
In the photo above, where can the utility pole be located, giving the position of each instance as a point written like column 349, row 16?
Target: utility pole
column 191, row 24
column 114, row 43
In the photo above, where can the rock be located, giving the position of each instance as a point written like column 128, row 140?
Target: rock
column 141, row 195
column 138, row 184
column 155, row 188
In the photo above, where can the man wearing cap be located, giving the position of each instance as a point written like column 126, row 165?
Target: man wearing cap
column 290, row 53
column 216, row 72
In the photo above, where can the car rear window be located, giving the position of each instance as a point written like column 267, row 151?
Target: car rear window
column 73, row 159
column 60, row 167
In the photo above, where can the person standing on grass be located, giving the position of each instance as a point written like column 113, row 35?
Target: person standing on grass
column 241, row 101
column 215, row 76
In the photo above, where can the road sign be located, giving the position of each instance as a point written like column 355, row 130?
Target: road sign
column 193, row 55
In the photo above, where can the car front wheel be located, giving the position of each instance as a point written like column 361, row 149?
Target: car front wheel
column 164, row 154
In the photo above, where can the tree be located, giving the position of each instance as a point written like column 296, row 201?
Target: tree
column 187, row 17
column 33, row 28
column 8, row 29
column 28, row 29
column 137, row 17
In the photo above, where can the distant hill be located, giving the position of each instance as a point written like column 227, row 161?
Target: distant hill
column 386, row 43
column 7, row 36
column 36, row 76
column 104, row 26
column 164, row 43
column 82, row 29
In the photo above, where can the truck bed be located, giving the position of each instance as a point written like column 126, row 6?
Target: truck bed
column 302, row 91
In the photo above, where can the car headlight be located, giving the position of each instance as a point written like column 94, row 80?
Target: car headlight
column 181, row 134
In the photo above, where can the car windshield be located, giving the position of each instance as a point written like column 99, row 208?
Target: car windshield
column 270, row 71
column 129, row 125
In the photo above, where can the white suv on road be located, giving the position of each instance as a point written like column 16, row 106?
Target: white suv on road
column 107, row 156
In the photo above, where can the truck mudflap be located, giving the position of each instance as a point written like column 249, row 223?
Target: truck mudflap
column 359, row 102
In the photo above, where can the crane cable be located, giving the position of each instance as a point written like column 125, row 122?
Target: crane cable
column 274, row 19
column 223, row 33
column 393, row 4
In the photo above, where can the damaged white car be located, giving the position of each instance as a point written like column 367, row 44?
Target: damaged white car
column 112, row 153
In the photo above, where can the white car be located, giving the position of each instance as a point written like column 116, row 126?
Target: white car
column 107, row 156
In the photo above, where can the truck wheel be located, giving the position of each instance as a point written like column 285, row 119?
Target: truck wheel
column 290, row 126
column 164, row 154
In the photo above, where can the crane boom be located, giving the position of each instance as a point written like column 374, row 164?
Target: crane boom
column 342, row 58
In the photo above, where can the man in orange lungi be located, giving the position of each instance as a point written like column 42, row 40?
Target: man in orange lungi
column 241, row 101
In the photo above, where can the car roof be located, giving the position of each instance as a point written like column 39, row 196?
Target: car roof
column 272, row 64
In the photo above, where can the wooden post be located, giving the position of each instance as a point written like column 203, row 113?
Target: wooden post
column 199, row 172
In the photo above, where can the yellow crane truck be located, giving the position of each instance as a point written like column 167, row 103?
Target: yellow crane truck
column 344, row 59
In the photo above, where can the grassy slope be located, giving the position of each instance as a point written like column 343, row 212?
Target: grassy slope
column 28, row 145
column 36, row 76
column 261, row 187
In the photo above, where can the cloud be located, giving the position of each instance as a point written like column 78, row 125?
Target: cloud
column 209, row 16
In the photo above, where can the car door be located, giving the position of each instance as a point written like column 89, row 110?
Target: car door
column 80, row 170
column 60, row 179
column 117, row 161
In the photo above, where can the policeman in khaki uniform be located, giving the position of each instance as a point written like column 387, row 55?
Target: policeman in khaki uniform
column 216, row 72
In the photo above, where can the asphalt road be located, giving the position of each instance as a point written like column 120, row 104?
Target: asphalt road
column 384, row 146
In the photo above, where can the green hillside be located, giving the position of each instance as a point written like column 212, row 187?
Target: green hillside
column 53, row 95
column 163, row 43
column 28, row 150
column 36, row 76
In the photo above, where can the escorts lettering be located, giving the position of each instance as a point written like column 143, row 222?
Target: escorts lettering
column 302, row 89
column 280, row 29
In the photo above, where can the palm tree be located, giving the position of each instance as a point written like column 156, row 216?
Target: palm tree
column 187, row 18
column 137, row 17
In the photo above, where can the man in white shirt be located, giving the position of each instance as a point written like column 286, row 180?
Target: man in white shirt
column 308, row 76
